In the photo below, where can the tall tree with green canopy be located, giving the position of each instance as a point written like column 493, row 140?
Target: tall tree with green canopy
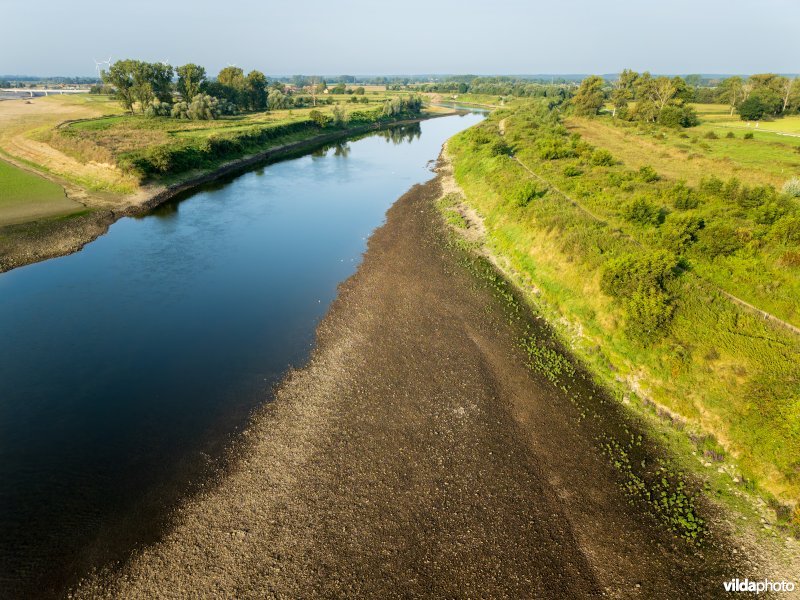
column 256, row 90
column 623, row 90
column 120, row 76
column 590, row 96
column 232, row 76
column 191, row 78
column 732, row 92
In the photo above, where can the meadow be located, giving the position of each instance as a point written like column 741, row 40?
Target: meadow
column 569, row 203
column 24, row 195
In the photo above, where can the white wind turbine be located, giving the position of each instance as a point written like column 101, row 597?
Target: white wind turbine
column 99, row 63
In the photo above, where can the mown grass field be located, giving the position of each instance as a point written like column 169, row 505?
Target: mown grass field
column 25, row 196
column 726, row 372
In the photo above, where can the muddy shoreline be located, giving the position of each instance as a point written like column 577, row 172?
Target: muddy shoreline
column 416, row 456
column 27, row 243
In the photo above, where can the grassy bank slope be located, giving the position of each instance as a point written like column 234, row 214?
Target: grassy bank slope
column 24, row 195
column 680, row 342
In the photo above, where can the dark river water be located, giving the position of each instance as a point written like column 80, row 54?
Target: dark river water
column 125, row 369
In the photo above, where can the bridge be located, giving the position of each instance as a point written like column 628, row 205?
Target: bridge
column 31, row 93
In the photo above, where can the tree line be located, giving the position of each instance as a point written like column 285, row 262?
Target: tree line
column 643, row 97
column 187, row 92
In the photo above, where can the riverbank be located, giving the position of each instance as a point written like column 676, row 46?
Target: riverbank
column 26, row 243
column 417, row 455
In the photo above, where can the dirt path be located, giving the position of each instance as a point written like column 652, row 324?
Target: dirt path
column 415, row 456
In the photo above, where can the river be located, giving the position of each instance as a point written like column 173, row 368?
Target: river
column 127, row 368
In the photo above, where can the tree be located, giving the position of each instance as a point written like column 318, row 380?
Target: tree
column 590, row 96
column 120, row 76
column 770, row 89
column 191, row 78
column 663, row 91
column 313, row 86
column 161, row 75
column 256, row 90
column 791, row 94
column 732, row 92
column 623, row 90
column 232, row 77
column 277, row 100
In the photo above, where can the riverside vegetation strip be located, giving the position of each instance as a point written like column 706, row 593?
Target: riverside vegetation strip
column 620, row 284
column 113, row 165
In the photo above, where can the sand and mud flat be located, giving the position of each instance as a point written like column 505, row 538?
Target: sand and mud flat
column 416, row 456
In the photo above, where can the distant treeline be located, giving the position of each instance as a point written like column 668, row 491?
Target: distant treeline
column 754, row 97
column 186, row 92
column 643, row 97
column 22, row 81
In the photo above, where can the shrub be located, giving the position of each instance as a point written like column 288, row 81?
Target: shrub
column 572, row 171
column 602, row 158
column 752, row 109
column 524, row 193
column 318, row 118
column 730, row 135
column 678, row 116
column 643, row 212
column 648, row 174
column 683, row 197
column 552, row 148
column 792, row 187
column 718, row 239
column 711, row 185
column 710, row 135
column 787, row 230
column 649, row 270
column 640, row 282
column 649, row 314
column 680, row 232
column 161, row 158
column 748, row 135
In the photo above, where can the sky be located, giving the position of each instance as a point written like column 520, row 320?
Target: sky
column 360, row 37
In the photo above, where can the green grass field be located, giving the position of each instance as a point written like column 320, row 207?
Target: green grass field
column 25, row 196
column 732, row 377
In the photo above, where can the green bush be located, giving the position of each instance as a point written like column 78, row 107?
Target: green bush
column 643, row 212
column 748, row 135
column 678, row 116
column 572, row 171
column 602, row 158
column 680, row 232
column 551, row 148
column 648, row 174
column 787, row 230
column 639, row 281
column 718, row 239
column 648, row 316
column 645, row 271
column 683, row 197
column 525, row 192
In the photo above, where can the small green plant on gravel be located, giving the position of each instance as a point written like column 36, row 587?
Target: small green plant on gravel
column 664, row 493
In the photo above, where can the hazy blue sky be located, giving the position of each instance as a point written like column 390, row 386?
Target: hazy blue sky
column 58, row 37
